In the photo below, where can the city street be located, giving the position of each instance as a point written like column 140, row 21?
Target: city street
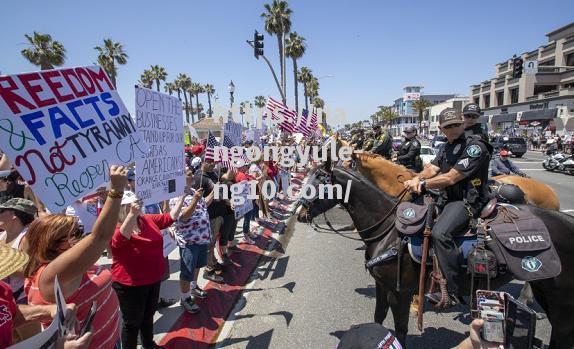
column 309, row 296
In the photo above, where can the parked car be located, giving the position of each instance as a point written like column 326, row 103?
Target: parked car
column 516, row 145
column 397, row 142
column 427, row 154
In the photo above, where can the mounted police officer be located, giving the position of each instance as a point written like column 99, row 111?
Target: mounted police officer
column 358, row 139
column 460, row 169
column 410, row 152
column 471, row 114
column 369, row 141
column 383, row 142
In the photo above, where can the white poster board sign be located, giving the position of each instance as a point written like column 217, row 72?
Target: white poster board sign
column 160, row 173
column 169, row 243
column 63, row 129
column 241, row 210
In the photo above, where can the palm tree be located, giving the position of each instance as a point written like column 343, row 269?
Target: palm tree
column 260, row 101
column 319, row 103
column 44, row 52
column 158, row 74
column 146, row 79
column 199, row 110
column 184, row 83
column 295, row 48
column 195, row 90
column 110, row 54
column 313, row 88
column 304, row 75
column 420, row 106
column 170, row 87
column 387, row 114
column 278, row 22
column 210, row 90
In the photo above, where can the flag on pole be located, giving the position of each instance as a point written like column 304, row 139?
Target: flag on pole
column 276, row 108
column 302, row 127
column 227, row 161
column 211, row 144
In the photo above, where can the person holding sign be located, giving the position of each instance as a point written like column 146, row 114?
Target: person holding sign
column 138, row 266
column 56, row 247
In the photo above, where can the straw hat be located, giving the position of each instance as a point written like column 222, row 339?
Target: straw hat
column 11, row 260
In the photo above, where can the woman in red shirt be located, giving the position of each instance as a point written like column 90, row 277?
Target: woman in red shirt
column 138, row 266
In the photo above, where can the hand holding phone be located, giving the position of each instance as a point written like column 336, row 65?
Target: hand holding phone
column 491, row 306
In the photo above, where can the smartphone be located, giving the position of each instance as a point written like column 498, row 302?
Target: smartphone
column 491, row 306
column 89, row 319
column 520, row 325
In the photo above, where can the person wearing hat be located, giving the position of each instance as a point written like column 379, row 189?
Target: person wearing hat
column 502, row 165
column 460, row 169
column 15, row 216
column 369, row 141
column 471, row 114
column 358, row 139
column 409, row 154
column 383, row 142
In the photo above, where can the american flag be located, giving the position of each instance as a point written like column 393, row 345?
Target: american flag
column 276, row 108
column 227, row 161
column 211, row 144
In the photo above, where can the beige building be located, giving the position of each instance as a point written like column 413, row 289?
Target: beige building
column 432, row 113
column 203, row 126
column 544, row 96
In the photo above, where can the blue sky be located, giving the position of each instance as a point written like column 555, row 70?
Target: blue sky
column 372, row 48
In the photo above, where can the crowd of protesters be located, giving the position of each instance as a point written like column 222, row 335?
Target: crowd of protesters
column 113, row 222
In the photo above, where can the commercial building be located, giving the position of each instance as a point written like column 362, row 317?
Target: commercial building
column 432, row 113
column 536, row 101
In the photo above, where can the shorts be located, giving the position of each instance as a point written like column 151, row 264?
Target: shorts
column 192, row 257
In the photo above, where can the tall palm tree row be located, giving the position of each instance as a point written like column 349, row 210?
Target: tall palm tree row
column 146, row 79
column 196, row 90
column 278, row 22
column 170, row 88
column 304, row 76
column 158, row 74
column 183, row 83
column 295, row 49
column 210, row 90
column 43, row 51
column 109, row 55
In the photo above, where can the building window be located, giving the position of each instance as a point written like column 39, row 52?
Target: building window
column 486, row 101
column 549, row 62
column 570, row 60
column 476, row 100
column 544, row 88
column 500, row 97
column 514, row 95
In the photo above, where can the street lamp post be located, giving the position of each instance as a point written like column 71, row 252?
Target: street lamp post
column 231, row 88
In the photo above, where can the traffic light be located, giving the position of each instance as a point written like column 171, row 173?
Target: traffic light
column 257, row 44
column 517, row 66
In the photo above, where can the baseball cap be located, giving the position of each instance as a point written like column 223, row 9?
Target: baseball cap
column 197, row 150
column 504, row 152
column 449, row 116
column 471, row 109
column 19, row 204
column 129, row 197
column 368, row 336
column 410, row 129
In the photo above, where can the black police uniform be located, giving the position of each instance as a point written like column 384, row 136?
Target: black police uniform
column 470, row 156
column 383, row 144
column 410, row 155
column 477, row 130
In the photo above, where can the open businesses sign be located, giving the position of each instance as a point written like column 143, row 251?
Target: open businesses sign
column 63, row 128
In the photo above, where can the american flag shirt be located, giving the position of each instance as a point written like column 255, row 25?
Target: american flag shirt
column 196, row 230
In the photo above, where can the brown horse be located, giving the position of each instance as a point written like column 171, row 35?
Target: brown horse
column 383, row 174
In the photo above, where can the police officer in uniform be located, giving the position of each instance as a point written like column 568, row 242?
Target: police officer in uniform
column 358, row 139
column 410, row 152
column 369, row 141
column 460, row 169
column 471, row 113
column 383, row 142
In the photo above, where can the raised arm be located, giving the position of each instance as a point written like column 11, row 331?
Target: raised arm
column 188, row 211
column 73, row 263
column 176, row 209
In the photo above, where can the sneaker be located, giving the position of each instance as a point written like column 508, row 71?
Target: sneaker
column 198, row 292
column 165, row 302
column 248, row 240
column 189, row 305
column 213, row 277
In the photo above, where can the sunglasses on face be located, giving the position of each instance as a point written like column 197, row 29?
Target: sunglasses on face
column 451, row 126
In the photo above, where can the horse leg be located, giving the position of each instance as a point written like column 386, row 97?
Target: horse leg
column 399, row 302
column 381, row 306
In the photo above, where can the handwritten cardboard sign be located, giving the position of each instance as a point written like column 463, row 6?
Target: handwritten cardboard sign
column 63, row 128
column 160, row 173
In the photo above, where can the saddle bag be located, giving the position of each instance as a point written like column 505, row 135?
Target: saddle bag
column 482, row 262
column 525, row 244
column 410, row 218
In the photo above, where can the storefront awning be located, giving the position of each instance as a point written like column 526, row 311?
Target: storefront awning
column 499, row 118
column 539, row 114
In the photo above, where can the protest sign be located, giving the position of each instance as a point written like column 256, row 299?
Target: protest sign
column 233, row 131
column 160, row 173
column 241, row 210
column 63, row 128
column 48, row 338
column 169, row 243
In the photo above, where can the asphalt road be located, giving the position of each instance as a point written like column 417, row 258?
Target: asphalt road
column 309, row 296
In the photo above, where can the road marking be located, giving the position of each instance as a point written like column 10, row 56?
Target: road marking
column 567, row 211
column 533, row 169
